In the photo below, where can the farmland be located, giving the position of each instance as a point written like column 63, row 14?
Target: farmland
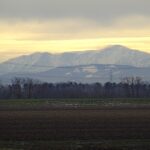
column 75, row 124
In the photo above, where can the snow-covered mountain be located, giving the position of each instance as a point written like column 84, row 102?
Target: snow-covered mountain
column 39, row 62
column 84, row 74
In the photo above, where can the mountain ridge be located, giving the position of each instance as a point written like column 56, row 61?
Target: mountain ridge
column 39, row 62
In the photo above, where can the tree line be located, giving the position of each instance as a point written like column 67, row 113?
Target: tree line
column 130, row 87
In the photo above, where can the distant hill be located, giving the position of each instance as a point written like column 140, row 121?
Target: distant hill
column 84, row 73
column 39, row 62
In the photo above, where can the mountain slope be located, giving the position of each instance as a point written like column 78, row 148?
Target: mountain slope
column 39, row 62
column 125, row 56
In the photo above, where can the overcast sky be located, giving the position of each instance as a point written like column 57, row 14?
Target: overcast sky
column 49, row 22
column 102, row 11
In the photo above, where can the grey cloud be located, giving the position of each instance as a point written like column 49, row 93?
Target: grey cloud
column 100, row 10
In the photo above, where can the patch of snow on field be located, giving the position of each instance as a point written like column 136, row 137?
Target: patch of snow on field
column 68, row 73
column 90, row 69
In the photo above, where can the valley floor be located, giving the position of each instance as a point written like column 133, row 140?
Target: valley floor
column 84, row 125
